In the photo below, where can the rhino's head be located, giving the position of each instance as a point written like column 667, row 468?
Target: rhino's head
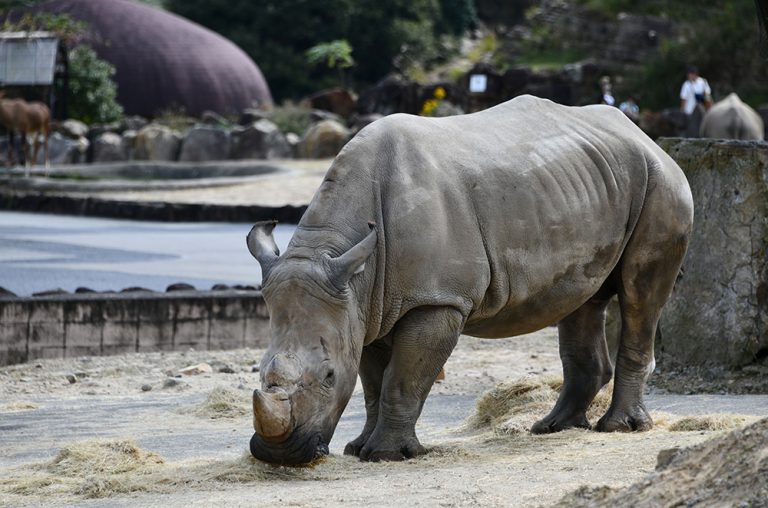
column 310, row 368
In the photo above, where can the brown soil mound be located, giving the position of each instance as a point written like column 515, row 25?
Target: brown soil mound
column 730, row 470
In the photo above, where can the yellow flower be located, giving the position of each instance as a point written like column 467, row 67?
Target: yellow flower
column 428, row 107
column 439, row 93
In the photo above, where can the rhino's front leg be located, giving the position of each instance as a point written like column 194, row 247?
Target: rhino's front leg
column 421, row 343
column 373, row 362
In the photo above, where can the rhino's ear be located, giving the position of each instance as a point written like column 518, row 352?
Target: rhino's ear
column 262, row 246
column 353, row 261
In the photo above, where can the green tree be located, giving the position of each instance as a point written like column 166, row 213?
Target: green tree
column 335, row 54
column 92, row 91
column 277, row 34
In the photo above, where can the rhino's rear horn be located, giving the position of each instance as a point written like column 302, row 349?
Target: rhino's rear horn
column 353, row 261
column 262, row 246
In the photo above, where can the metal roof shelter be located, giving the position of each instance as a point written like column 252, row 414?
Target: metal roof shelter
column 27, row 58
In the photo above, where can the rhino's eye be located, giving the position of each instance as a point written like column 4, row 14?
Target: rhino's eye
column 330, row 377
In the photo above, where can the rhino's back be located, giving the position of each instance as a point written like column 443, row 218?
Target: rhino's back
column 731, row 118
column 514, row 215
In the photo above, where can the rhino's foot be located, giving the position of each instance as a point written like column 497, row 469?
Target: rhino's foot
column 555, row 422
column 634, row 419
column 355, row 446
column 392, row 451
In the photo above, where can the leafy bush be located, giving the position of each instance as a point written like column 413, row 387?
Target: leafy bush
column 291, row 118
column 92, row 92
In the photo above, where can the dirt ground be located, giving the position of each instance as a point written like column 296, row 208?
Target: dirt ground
column 123, row 431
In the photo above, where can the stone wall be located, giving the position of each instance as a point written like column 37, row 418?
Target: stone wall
column 718, row 314
column 70, row 325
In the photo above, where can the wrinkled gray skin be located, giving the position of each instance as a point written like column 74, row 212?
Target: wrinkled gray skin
column 730, row 118
column 493, row 224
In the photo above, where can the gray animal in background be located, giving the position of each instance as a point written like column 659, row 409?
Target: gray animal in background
column 730, row 118
column 493, row 224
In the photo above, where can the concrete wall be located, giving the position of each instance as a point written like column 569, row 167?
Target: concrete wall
column 104, row 324
column 718, row 314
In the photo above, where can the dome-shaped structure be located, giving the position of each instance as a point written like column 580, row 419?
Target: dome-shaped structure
column 164, row 61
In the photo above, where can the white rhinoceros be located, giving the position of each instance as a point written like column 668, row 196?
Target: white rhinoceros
column 730, row 118
column 493, row 224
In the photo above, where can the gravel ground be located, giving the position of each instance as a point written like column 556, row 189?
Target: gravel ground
column 51, row 407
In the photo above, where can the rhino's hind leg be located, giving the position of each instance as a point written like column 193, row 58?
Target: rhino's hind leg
column 374, row 360
column 649, row 269
column 586, row 366
column 421, row 343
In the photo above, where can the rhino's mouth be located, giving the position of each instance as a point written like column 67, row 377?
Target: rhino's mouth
column 295, row 451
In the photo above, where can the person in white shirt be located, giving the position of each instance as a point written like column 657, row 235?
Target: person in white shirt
column 695, row 91
column 606, row 91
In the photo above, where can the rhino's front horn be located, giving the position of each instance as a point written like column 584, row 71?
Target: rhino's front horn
column 272, row 415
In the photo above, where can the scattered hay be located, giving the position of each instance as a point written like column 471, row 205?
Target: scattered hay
column 16, row 407
column 222, row 403
column 91, row 469
column 102, row 457
column 102, row 469
column 511, row 408
column 729, row 470
column 710, row 422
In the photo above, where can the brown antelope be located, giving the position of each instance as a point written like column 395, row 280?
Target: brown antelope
column 29, row 119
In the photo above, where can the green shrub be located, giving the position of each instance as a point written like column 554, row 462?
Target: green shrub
column 92, row 92
column 291, row 118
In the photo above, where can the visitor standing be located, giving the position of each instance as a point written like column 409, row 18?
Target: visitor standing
column 606, row 92
column 630, row 108
column 695, row 91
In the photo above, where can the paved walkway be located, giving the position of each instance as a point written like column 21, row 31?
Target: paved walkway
column 39, row 252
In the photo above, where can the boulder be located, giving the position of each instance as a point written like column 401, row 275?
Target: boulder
column 323, row 139
column 718, row 312
column 318, row 115
column 98, row 129
column 293, row 140
column 250, row 115
column 129, row 143
column 157, row 143
column 205, row 143
column 63, row 150
column 213, row 118
column 260, row 140
column 194, row 370
column 73, row 129
column 337, row 100
column 108, row 147
column 361, row 121
column 133, row 123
